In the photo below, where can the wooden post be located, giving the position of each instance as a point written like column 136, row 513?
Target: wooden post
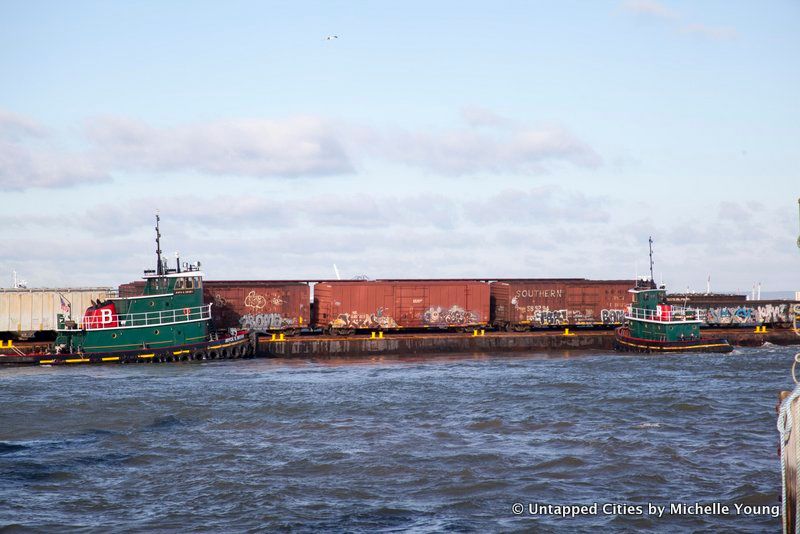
column 790, row 447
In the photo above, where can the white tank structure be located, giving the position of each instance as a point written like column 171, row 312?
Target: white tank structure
column 25, row 311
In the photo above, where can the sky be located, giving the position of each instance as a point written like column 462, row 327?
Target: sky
column 426, row 140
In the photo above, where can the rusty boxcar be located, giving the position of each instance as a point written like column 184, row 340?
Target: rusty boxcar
column 347, row 306
column 131, row 289
column 536, row 303
column 261, row 305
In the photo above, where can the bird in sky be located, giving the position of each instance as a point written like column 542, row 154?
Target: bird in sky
column 331, row 37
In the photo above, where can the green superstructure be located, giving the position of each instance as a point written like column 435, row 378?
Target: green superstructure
column 170, row 313
column 653, row 325
column 650, row 317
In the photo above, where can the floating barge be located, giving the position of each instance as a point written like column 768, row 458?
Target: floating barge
column 365, row 346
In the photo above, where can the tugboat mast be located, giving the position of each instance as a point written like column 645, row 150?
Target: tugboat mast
column 652, row 278
column 159, row 266
column 798, row 237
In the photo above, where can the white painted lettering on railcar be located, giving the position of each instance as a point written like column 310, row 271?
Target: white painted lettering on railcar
column 539, row 293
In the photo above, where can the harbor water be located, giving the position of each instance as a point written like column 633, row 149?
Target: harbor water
column 395, row 444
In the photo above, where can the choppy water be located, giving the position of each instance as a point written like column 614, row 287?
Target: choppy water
column 441, row 444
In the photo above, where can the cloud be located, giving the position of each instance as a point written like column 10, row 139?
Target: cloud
column 14, row 127
column 538, row 206
column 656, row 10
column 465, row 151
column 649, row 7
column 301, row 146
column 367, row 211
column 29, row 159
column 307, row 146
column 716, row 33
column 548, row 231
column 477, row 116
column 339, row 214
column 298, row 146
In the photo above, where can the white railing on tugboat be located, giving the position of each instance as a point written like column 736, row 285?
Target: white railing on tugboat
column 665, row 314
column 154, row 318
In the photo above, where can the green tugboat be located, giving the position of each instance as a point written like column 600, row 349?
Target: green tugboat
column 169, row 322
column 652, row 325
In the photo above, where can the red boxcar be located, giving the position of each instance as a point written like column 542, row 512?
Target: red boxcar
column 131, row 289
column 350, row 305
column 523, row 304
column 263, row 306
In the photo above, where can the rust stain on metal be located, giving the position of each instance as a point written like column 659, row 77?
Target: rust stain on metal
column 259, row 305
column 522, row 304
column 398, row 304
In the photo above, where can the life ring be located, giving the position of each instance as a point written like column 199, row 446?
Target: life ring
column 187, row 311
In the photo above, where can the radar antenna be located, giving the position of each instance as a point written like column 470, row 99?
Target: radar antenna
column 159, row 266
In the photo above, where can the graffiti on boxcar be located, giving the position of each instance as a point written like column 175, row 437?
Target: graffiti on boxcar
column 748, row 316
column 255, row 301
column 364, row 320
column 773, row 313
column 612, row 316
column 455, row 315
column 258, row 302
column 733, row 315
column 266, row 321
column 579, row 317
column 550, row 317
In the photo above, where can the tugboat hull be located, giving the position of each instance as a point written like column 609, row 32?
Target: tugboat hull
column 240, row 345
column 623, row 341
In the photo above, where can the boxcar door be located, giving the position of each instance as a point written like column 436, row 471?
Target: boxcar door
column 410, row 304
